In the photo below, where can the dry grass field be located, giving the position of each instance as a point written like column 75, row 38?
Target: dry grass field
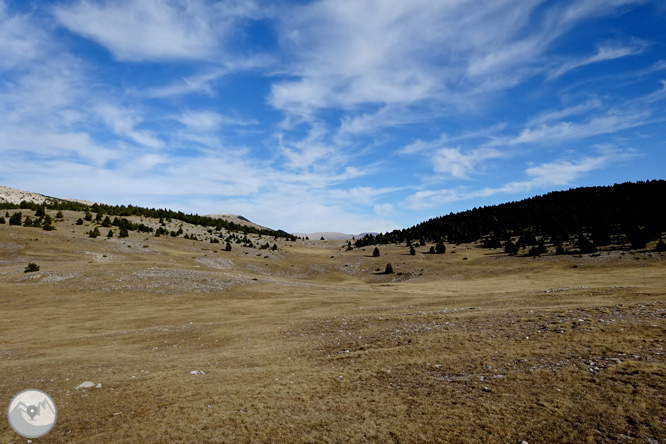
column 311, row 343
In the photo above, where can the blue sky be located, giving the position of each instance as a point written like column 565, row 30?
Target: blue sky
column 329, row 115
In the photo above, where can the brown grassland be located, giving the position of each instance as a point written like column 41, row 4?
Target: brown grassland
column 311, row 343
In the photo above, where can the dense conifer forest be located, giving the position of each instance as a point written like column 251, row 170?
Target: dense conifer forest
column 628, row 213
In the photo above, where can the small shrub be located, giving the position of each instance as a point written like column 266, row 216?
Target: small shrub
column 388, row 269
column 59, row 215
column 31, row 267
column 79, row 221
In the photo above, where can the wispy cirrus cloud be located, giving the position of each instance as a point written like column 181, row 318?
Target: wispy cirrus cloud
column 544, row 176
column 603, row 54
column 154, row 29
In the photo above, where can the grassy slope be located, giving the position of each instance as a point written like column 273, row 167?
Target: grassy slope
column 309, row 345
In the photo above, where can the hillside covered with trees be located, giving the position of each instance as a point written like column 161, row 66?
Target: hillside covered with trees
column 628, row 213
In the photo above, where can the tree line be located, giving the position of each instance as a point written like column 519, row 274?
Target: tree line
column 628, row 213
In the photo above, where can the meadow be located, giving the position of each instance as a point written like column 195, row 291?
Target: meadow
column 312, row 343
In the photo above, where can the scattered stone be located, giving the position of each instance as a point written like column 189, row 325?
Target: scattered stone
column 86, row 384
column 197, row 372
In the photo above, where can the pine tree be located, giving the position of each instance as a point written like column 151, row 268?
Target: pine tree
column 388, row 269
column 440, row 248
column 412, row 251
column 28, row 222
column 88, row 216
column 40, row 211
column 15, row 219
column 661, row 246
column 48, row 223
column 110, row 234
column 375, row 253
column 79, row 221
column 228, row 247
column 94, row 233
column 510, row 248
column 122, row 232
column 432, row 250
column 59, row 215
column 31, row 267
column 2, row 220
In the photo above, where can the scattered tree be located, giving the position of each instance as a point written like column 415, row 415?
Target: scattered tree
column 79, row 221
column 48, row 223
column 412, row 251
column 28, row 222
column 88, row 216
column 661, row 246
column 122, row 232
column 440, row 248
column 94, row 233
column 40, row 212
column 31, row 267
column 15, row 219
column 375, row 253
column 432, row 250
column 59, row 215
column 228, row 247
column 110, row 233
column 2, row 220
column 388, row 269
column 510, row 248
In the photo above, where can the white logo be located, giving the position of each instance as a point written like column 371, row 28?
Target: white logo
column 32, row 413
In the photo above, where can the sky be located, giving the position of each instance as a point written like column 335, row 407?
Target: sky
column 329, row 115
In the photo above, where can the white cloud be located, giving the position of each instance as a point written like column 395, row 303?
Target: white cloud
column 543, row 176
column 20, row 41
column 395, row 53
column 453, row 162
column 603, row 54
column 610, row 122
column 155, row 29
column 123, row 122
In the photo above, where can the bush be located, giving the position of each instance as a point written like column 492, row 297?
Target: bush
column 15, row 219
column 31, row 267
column 88, row 216
column 94, row 233
column 79, row 221
column 28, row 222
column 375, row 253
column 2, row 220
column 388, row 269
column 59, row 215
column 661, row 246
column 432, row 250
column 412, row 251
column 440, row 248
column 510, row 248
